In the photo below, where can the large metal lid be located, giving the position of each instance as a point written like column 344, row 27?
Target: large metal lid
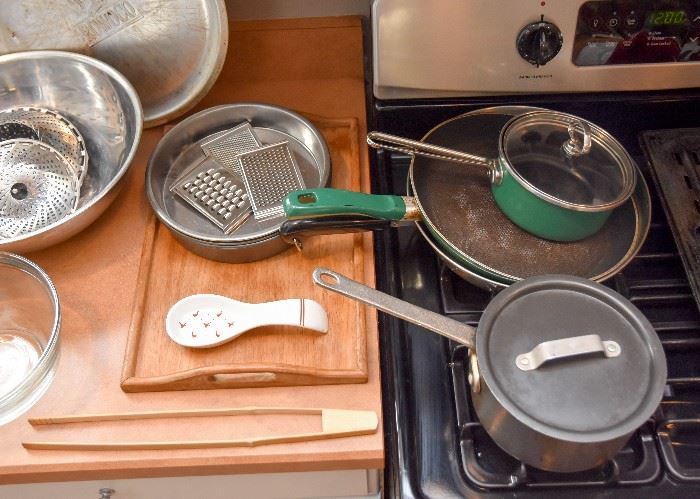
column 567, row 161
column 171, row 52
column 598, row 396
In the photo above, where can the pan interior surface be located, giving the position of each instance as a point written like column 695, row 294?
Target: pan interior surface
column 461, row 214
column 584, row 398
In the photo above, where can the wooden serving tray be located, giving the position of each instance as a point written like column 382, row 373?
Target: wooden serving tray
column 269, row 356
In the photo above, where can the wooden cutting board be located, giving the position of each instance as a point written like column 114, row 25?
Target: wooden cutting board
column 269, row 356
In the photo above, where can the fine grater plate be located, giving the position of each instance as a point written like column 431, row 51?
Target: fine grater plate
column 55, row 130
column 225, row 146
column 270, row 173
column 38, row 187
column 216, row 192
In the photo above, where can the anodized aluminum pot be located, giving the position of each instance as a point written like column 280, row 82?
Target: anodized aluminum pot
column 179, row 149
column 562, row 370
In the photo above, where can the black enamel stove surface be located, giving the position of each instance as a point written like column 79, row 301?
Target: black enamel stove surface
column 435, row 446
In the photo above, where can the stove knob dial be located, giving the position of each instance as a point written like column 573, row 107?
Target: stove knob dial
column 539, row 42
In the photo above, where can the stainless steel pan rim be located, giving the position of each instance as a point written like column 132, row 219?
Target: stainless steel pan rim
column 463, row 272
column 182, row 140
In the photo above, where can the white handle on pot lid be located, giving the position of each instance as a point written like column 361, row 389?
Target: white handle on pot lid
column 566, row 347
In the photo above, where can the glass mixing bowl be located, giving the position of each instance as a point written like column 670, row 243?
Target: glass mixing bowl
column 30, row 320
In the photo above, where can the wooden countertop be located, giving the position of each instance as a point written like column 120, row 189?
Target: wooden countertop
column 309, row 65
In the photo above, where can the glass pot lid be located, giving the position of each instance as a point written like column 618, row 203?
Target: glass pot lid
column 567, row 161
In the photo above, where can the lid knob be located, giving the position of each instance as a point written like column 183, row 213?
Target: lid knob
column 579, row 142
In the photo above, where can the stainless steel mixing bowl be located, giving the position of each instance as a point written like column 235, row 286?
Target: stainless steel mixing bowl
column 101, row 103
column 30, row 319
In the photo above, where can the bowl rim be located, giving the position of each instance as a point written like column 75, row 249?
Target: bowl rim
column 49, row 352
column 138, row 112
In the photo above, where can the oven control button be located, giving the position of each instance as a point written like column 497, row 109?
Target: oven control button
column 595, row 23
column 632, row 21
column 613, row 22
column 539, row 42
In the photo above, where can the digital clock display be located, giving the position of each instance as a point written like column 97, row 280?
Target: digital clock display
column 667, row 18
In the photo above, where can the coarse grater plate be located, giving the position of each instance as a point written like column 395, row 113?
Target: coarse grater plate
column 216, row 192
column 225, row 146
column 38, row 187
column 55, row 130
column 270, row 173
column 674, row 157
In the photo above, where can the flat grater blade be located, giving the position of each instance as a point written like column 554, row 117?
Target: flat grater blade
column 270, row 173
column 225, row 146
column 216, row 192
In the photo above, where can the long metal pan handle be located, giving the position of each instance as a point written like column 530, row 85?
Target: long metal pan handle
column 380, row 140
column 444, row 326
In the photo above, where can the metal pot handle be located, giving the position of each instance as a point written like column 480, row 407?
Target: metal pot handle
column 379, row 140
column 444, row 326
column 564, row 348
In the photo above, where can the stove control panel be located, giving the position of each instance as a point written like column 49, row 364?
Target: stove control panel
column 641, row 32
column 453, row 48
column 539, row 42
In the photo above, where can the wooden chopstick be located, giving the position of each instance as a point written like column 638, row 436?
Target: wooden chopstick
column 335, row 423
column 177, row 413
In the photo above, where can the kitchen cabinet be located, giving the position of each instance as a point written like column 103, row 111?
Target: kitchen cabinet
column 326, row 484
column 270, row 9
column 280, row 62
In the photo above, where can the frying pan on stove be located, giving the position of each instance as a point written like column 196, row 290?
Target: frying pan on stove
column 461, row 221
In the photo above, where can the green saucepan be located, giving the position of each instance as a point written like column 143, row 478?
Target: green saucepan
column 556, row 176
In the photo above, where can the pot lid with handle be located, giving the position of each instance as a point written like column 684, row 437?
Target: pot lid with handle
column 571, row 358
column 567, row 161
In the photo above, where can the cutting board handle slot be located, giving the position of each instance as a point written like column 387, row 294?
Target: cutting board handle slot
column 234, row 379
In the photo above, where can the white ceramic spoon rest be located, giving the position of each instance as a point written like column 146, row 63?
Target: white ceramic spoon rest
column 203, row 321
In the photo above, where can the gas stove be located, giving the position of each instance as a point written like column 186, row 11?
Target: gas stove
column 435, row 445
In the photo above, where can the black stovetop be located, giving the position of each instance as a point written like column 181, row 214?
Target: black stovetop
column 435, row 446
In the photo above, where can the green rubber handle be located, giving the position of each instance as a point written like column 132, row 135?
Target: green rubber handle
column 321, row 202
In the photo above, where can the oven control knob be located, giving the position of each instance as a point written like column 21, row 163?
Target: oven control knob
column 539, row 42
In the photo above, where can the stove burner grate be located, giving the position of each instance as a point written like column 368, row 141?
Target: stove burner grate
column 486, row 465
column 674, row 157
